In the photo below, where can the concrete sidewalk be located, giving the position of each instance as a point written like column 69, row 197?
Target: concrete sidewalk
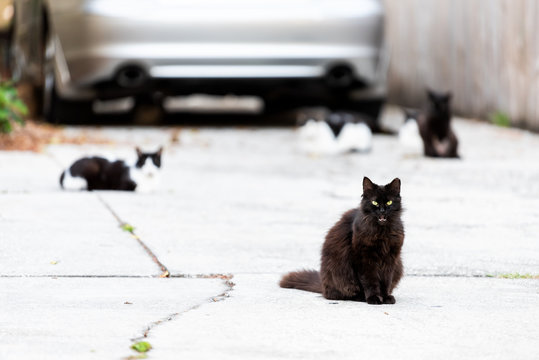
column 243, row 203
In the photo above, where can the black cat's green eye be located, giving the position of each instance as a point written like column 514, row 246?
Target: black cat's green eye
column 389, row 202
column 374, row 203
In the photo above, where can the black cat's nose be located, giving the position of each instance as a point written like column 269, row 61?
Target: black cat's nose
column 382, row 210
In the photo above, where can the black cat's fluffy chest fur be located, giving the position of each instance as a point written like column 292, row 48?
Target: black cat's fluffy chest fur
column 361, row 254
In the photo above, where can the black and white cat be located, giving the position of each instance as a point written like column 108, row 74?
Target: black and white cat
column 323, row 132
column 98, row 173
column 315, row 137
column 351, row 132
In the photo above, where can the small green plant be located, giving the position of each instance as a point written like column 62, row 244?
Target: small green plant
column 141, row 346
column 128, row 228
column 12, row 109
column 500, row 118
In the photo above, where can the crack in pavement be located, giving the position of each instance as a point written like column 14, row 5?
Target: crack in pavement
column 486, row 276
column 164, row 271
column 226, row 278
column 221, row 276
column 227, row 281
column 52, row 276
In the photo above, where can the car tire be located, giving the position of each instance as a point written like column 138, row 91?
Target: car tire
column 53, row 108
column 372, row 107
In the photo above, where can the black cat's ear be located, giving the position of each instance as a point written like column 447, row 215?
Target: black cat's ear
column 394, row 186
column 368, row 185
column 139, row 152
column 160, row 151
column 448, row 96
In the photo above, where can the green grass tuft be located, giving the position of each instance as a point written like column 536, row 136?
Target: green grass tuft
column 12, row 109
column 128, row 228
column 141, row 346
column 517, row 276
column 500, row 118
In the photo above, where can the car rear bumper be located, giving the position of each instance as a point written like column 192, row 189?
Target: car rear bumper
column 274, row 41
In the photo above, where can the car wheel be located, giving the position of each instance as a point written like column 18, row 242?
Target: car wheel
column 54, row 108
column 48, row 90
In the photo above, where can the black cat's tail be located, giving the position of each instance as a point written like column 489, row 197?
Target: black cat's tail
column 308, row 280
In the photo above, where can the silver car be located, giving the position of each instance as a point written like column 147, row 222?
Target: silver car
column 109, row 55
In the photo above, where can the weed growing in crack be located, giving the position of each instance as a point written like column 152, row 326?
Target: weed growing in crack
column 226, row 278
column 141, row 346
column 127, row 227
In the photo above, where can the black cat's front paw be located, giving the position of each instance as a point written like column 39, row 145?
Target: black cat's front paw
column 390, row 299
column 374, row 300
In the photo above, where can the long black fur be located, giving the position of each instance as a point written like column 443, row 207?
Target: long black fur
column 361, row 258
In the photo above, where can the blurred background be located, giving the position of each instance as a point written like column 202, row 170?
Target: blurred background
column 75, row 60
column 485, row 52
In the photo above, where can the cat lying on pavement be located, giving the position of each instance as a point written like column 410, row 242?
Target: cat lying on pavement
column 322, row 132
column 98, row 173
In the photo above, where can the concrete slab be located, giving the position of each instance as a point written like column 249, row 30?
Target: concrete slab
column 246, row 201
column 64, row 233
column 88, row 318
column 219, row 237
column 25, row 172
column 449, row 318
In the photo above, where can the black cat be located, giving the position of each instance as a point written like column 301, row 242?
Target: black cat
column 439, row 140
column 361, row 258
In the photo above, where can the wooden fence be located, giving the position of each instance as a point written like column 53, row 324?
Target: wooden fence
column 485, row 51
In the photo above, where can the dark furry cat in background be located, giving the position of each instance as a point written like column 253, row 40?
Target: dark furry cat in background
column 361, row 254
column 439, row 140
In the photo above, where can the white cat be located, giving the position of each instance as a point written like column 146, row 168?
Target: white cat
column 355, row 137
column 316, row 138
column 409, row 138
